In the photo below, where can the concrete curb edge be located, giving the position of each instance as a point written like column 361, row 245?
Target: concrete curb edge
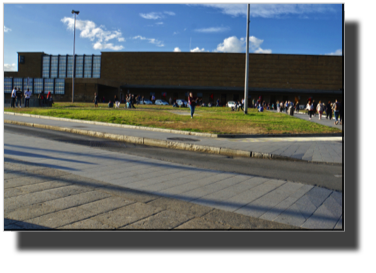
column 165, row 143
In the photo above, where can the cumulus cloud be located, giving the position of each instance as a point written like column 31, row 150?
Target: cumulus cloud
column 197, row 49
column 176, row 49
column 212, row 29
column 338, row 52
column 10, row 67
column 171, row 13
column 233, row 44
column 159, row 23
column 271, row 10
column 98, row 35
column 150, row 40
column 6, row 29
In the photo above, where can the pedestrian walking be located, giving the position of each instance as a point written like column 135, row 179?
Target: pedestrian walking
column 170, row 100
column 95, row 100
column 319, row 109
column 329, row 110
column 27, row 97
column 336, row 111
column 19, row 97
column 310, row 109
column 340, row 112
column 13, row 96
column 192, row 103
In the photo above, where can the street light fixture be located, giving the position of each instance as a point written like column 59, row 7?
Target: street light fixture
column 246, row 67
column 74, row 41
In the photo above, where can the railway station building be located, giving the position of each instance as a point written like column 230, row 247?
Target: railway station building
column 210, row 76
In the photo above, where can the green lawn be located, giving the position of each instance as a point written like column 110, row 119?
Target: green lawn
column 217, row 120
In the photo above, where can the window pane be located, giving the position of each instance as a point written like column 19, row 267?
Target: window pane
column 70, row 66
column 79, row 66
column 97, row 67
column 38, row 86
column 62, row 67
column 54, row 67
column 30, row 85
column 48, row 86
column 8, row 85
column 88, row 65
column 17, row 82
column 59, row 86
column 46, row 66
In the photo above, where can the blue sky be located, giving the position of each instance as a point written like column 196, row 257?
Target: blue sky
column 274, row 29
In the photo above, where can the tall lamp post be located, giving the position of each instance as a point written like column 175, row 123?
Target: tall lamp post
column 246, row 67
column 74, row 42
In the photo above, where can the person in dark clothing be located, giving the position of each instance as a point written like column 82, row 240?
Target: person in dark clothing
column 19, row 97
column 95, row 100
column 133, row 101
column 328, row 111
column 192, row 101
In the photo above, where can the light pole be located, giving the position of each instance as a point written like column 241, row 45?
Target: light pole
column 74, row 42
column 246, row 67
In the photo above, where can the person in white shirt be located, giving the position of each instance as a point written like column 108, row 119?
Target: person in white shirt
column 27, row 97
column 13, row 96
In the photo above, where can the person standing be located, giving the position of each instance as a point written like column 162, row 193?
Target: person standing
column 192, row 103
column 170, row 100
column 328, row 110
column 95, row 100
column 13, row 96
column 320, row 109
column 19, row 97
column 310, row 109
column 336, row 111
column 27, row 97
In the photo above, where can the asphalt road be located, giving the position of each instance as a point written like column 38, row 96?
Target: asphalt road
column 323, row 175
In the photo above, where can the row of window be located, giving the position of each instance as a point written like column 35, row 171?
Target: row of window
column 57, row 66
column 56, row 86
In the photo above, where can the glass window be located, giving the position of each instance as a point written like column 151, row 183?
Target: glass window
column 46, row 66
column 88, row 65
column 38, row 86
column 28, row 83
column 62, row 66
column 70, row 66
column 79, row 66
column 17, row 82
column 59, row 86
column 8, row 82
column 97, row 67
column 48, row 86
column 54, row 62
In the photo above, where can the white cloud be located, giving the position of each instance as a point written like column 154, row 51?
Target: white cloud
column 271, row 10
column 98, row 34
column 156, row 15
column 159, row 23
column 10, row 67
column 6, row 29
column 338, row 52
column 212, row 29
column 176, row 32
column 197, row 49
column 150, row 40
column 171, row 13
column 176, row 49
column 233, row 44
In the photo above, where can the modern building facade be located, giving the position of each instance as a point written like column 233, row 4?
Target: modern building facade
column 210, row 76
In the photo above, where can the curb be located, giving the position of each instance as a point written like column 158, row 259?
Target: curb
column 171, row 130
column 165, row 143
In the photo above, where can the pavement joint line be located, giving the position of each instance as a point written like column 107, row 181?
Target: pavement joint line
column 167, row 144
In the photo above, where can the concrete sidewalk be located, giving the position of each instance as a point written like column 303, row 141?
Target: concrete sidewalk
column 91, row 188
column 311, row 149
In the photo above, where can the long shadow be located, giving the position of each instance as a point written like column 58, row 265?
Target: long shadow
column 146, row 164
column 11, row 152
column 12, row 225
column 233, row 206
column 11, row 160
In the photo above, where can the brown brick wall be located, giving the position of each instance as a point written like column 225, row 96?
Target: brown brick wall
column 223, row 70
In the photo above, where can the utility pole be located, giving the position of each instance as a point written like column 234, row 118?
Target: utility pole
column 246, row 67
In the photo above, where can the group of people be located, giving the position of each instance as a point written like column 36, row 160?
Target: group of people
column 319, row 108
column 16, row 98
